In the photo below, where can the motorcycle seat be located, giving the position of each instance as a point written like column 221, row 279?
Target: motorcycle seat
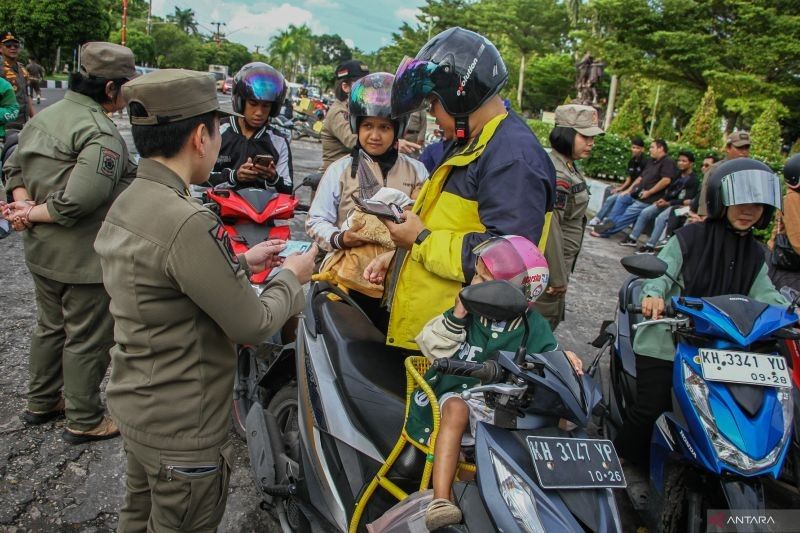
column 371, row 374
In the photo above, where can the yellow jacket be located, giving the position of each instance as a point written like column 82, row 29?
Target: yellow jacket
column 502, row 183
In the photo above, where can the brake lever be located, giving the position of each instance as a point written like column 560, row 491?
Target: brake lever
column 507, row 389
column 674, row 323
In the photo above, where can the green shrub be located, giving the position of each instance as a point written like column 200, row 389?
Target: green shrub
column 628, row 122
column 541, row 130
column 609, row 159
column 703, row 129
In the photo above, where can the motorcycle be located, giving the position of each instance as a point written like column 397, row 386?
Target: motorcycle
column 277, row 355
column 319, row 441
column 791, row 472
column 731, row 422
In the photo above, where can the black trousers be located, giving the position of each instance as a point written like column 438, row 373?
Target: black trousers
column 653, row 397
column 675, row 222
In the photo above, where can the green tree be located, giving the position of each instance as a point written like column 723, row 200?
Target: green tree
column 547, row 81
column 184, row 19
column 629, row 121
column 46, row 25
column 766, row 134
column 664, row 128
column 703, row 130
column 142, row 45
column 175, row 49
column 323, row 75
column 528, row 26
column 331, row 50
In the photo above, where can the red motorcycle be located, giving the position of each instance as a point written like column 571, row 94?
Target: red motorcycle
column 249, row 217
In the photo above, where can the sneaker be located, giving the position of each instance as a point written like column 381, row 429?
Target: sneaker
column 646, row 249
column 627, row 241
column 38, row 99
column 662, row 243
column 441, row 512
column 603, row 226
column 35, row 418
column 106, row 429
column 595, row 221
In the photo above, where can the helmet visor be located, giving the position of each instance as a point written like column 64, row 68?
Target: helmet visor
column 262, row 85
column 413, row 82
column 751, row 187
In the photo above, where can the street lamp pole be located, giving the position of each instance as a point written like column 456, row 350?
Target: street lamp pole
column 123, row 34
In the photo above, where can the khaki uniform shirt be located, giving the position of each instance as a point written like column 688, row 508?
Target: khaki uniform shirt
column 417, row 127
column 337, row 138
column 180, row 300
column 702, row 208
column 17, row 76
column 71, row 157
column 568, row 222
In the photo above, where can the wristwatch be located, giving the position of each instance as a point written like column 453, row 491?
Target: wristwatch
column 422, row 236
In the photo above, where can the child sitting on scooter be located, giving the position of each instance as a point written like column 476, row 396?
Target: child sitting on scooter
column 463, row 336
column 718, row 256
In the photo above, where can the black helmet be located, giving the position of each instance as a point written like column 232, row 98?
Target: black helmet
column 791, row 171
column 258, row 81
column 743, row 181
column 463, row 69
column 371, row 96
column 351, row 70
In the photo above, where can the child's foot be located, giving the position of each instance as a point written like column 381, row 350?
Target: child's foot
column 441, row 512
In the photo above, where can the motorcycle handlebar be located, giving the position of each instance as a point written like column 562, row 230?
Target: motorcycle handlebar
column 487, row 372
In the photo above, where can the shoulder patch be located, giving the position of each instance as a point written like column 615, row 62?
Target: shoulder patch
column 107, row 166
column 561, row 200
column 223, row 241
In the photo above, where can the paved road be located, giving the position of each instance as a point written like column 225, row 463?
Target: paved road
column 46, row 485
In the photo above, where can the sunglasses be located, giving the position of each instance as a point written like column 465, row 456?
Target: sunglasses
column 11, row 45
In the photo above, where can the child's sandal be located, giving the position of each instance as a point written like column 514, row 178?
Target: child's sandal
column 441, row 512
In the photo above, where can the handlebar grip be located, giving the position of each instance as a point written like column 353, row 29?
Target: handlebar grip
column 634, row 309
column 487, row 372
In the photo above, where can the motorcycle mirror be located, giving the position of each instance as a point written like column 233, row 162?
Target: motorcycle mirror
column 644, row 266
column 312, row 180
column 495, row 300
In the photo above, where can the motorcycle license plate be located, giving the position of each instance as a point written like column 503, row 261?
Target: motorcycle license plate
column 743, row 367
column 565, row 463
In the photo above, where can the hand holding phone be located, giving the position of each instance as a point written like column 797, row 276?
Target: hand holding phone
column 263, row 160
column 379, row 209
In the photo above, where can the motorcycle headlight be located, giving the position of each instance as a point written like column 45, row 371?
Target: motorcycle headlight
column 727, row 451
column 518, row 496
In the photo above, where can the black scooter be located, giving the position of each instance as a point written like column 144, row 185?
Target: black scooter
column 321, row 439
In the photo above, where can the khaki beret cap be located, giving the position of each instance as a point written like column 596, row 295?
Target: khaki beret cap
column 583, row 118
column 107, row 60
column 171, row 95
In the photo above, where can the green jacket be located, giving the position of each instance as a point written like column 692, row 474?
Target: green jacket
column 9, row 108
column 656, row 340
column 483, row 338
column 72, row 158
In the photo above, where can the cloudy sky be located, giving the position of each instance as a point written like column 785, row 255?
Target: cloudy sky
column 367, row 24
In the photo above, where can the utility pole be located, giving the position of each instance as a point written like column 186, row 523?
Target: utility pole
column 123, row 34
column 612, row 101
column 258, row 47
column 217, row 35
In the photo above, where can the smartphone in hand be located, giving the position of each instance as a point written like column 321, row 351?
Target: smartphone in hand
column 263, row 160
column 294, row 247
column 379, row 209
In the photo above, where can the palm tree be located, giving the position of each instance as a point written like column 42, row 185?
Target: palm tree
column 184, row 19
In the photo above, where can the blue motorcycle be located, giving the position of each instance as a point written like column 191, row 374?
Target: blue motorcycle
column 731, row 422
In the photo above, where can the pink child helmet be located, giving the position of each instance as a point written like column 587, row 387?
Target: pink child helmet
column 518, row 260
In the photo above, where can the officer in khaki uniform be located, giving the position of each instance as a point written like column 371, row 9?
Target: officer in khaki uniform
column 180, row 300
column 337, row 138
column 70, row 164
column 17, row 75
column 576, row 126
column 737, row 145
